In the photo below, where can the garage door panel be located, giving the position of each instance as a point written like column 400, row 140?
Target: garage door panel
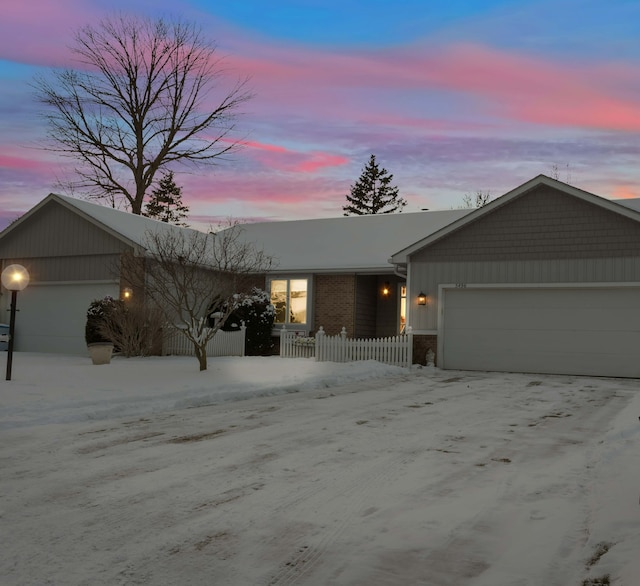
column 554, row 363
column 52, row 318
column 594, row 331
column 565, row 341
column 542, row 318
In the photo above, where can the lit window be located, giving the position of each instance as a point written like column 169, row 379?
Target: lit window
column 403, row 308
column 289, row 297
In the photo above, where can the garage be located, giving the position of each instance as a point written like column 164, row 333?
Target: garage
column 581, row 330
column 51, row 317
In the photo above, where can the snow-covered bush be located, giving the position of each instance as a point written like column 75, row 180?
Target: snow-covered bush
column 257, row 313
column 99, row 310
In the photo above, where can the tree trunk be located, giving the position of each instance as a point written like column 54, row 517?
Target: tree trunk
column 201, row 355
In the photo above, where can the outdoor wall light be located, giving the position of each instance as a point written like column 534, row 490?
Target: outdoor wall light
column 127, row 293
column 14, row 278
column 422, row 298
column 386, row 289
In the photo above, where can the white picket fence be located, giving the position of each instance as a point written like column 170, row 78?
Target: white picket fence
column 395, row 350
column 222, row 344
column 296, row 344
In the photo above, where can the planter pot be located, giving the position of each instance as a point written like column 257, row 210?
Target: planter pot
column 100, row 352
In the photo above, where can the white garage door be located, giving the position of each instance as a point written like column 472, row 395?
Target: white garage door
column 582, row 330
column 51, row 318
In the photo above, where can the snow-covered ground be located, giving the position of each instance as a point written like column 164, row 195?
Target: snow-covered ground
column 287, row 471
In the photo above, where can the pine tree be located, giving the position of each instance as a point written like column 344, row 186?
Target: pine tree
column 373, row 193
column 165, row 203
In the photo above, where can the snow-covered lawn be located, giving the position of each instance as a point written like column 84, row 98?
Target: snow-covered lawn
column 281, row 471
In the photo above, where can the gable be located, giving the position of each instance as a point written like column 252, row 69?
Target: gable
column 543, row 223
column 54, row 230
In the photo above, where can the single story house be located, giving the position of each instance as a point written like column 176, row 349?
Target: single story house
column 332, row 272
column 545, row 278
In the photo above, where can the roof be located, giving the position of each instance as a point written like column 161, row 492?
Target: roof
column 344, row 244
column 125, row 226
column 625, row 208
column 633, row 203
column 347, row 243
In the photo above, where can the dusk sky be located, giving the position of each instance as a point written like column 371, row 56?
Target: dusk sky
column 452, row 97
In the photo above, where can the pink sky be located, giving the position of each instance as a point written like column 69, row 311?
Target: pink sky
column 446, row 117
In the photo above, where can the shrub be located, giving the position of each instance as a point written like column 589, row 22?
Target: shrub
column 99, row 310
column 134, row 328
column 257, row 313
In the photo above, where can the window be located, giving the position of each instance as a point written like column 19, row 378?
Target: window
column 289, row 297
column 403, row 308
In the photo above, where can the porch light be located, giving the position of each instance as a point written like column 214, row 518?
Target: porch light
column 422, row 298
column 386, row 289
column 14, row 278
column 127, row 293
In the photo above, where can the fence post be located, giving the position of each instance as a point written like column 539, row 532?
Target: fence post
column 343, row 345
column 320, row 344
column 243, row 329
column 410, row 348
column 283, row 341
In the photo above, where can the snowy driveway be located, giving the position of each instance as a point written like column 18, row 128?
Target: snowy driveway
column 423, row 477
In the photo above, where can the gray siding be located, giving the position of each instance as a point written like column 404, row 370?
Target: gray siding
column 56, row 244
column 366, row 299
column 541, row 224
column 427, row 277
column 545, row 236
column 56, row 231
column 388, row 308
column 70, row 268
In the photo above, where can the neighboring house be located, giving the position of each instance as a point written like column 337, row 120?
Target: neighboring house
column 544, row 279
column 71, row 249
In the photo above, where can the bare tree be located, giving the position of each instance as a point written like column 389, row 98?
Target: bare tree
column 135, row 328
column 476, row 200
column 188, row 275
column 145, row 95
column 555, row 173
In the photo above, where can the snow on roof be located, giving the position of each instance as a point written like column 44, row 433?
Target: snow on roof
column 347, row 243
column 633, row 203
column 351, row 243
column 133, row 227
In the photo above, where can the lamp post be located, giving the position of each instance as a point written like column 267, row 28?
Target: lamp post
column 14, row 278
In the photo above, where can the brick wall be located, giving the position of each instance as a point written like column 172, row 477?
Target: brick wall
column 421, row 345
column 335, row 303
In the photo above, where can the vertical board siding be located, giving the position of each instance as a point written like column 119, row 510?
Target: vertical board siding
column 366, row 305
column 57, row 231
column 94, row 267
column 222, row 344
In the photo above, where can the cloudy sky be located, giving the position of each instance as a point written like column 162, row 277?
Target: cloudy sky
column 452, row 97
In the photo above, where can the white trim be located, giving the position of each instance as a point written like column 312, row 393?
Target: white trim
column 307, row 325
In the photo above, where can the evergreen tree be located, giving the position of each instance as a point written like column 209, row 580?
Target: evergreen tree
column 373, row 193
column 165, row 203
